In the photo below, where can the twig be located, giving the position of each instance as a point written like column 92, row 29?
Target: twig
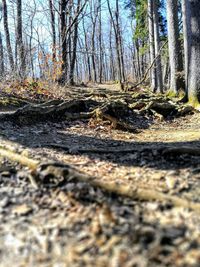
column 150, row 67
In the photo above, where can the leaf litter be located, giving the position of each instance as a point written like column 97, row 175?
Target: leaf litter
column 76, row 224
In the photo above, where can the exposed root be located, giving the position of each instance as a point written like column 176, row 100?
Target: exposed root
column 124, row 111
column 25, row 161
column 16, row 157
column 95, row 150
column 63, row 172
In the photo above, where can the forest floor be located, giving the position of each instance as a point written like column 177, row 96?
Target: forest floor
column 73, row 223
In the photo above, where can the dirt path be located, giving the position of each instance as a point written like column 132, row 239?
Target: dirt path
column 78, row 225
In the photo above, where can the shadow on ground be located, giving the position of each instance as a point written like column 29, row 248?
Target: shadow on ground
column 58, row 138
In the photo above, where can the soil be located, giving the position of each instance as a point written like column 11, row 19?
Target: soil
column 75, row 224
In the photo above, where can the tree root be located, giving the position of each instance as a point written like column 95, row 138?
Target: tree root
column 23, row 160
column 19, row 158
column 159, row 149
column 117, row 123
column 124, row 111
column 117, row 113
column 67, row 172
column 95, row 150
column 52, row 110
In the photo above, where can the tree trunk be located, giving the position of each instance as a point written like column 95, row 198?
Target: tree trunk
column 53, row 29
column 100, row 44
column 87, row 53
column 93, row 51
column 137, row 52
column 111, row 56
column 119, row 44
column 118, row 40
column 157, row 47
column 63, row 40
column 193, row 29
column 175, row 57
column 74, row 47
column 151, row 43
column 20, row 46
column 7, row 34
column 1, row 58
column 185, row 18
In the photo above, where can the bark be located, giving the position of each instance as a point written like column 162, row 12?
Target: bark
column 1, row 58
column 175, row 57
column 7, row 34
column 20, row 46
column 53, row 29
column 94, row 20
column 157, row 47
column 166, row 72
column 193, row 28
column 137, row 52
column 70, row 29
column 100, row 45
column 30, row 42
column 118, row 40
column 74, row 48
column 151, row 43
column 63, row 39
column 87, row 52
column 111, row 62
column 185, row 18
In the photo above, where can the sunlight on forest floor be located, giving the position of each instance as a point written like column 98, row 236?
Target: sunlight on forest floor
column 75, row 224
column 166, row 135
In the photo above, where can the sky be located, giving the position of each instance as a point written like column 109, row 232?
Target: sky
column 41, row 22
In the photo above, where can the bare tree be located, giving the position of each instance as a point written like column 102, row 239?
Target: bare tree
column 86, row 42
column 63, row 5
column 159, row 87
column 118, row 39
column 193, row 34
column 2, row 70
column 7, row 34
column 186, row 18
column 175, row 57
column 152, row 44
column 53, row 29
column 19, row 40
column 74, row 47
